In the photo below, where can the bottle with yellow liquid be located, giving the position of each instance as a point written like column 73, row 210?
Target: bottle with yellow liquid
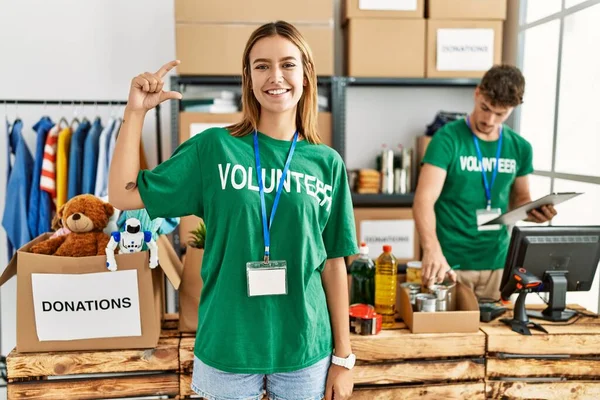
column 385, row 286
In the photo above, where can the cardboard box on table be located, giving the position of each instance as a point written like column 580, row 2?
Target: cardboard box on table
column 75, row 303
column 191, row 283
column 464, row 319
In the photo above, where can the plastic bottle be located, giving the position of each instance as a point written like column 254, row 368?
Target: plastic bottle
column 386, row 270
column 362, row 287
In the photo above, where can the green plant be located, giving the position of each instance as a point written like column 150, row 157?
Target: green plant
column 198, row 236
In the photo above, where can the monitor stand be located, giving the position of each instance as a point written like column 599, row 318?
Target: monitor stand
column 556, row 282
column 519, row 322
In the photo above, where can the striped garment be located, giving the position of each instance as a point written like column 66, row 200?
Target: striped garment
column 48, row 177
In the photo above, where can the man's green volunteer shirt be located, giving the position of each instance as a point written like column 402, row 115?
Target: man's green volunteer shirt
column 453, row 149
column 213, row 175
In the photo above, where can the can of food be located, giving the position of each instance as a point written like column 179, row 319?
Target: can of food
column 413, row 290
column 441, row 305
column 426, row 302
column 413, row 272
column 440, row 291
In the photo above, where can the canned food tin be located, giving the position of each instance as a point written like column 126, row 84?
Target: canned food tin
column 413, row 290
column 426, row 302
column 441, row 305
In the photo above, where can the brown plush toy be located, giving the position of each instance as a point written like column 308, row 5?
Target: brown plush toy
column 85, row 216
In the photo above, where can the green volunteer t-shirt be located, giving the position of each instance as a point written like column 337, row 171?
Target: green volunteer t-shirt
column 453, row 149
column 213, row 175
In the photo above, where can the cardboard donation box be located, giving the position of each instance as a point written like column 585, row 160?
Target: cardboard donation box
column 464, row 319
column 462, row 48
column 394, row 226
column 75, row 303
column 382, row 9
column 191, row 282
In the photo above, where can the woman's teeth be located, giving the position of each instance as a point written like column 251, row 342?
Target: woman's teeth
column 277, row 91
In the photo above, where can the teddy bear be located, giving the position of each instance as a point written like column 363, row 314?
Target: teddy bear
column 85, row 216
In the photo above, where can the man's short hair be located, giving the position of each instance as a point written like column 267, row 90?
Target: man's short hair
column 503, row 85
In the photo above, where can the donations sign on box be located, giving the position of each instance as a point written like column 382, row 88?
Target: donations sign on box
column 400, row 234
column 86, row 306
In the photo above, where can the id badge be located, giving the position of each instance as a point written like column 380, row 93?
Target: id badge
column 266, row 278
column 486, row 215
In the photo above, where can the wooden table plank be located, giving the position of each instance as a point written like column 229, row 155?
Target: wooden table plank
column 461, row 391
column 185, row 382
column 571, row 368
column 568, row 390
column 420, row 371
column 186, row 355
column 401, row 344
column 99, row 388
column 165, row 357
column 503, row 340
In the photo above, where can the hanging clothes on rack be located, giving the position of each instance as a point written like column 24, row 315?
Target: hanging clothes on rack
column 48, row 176
column 100, row 189
column 62, row 166
column 90, row 157
column 75, row 181
column 39, row 210
column 14, row 220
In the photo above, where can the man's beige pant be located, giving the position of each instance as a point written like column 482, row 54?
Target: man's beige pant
column 485, row 284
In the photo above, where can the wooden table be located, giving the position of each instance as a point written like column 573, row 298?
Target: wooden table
column 98, row 374
column 563, row 364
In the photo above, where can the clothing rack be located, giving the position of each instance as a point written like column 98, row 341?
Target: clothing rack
column 93, row 103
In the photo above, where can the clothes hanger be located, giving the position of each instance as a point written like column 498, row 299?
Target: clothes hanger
column 75, row 119
column 62, row 123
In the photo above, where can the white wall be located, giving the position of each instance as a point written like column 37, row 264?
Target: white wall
column 69, row 49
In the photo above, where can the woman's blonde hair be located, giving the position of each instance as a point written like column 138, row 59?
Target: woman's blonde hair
column 306, row 114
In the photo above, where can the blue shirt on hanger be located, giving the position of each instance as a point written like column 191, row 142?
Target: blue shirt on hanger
column 14, row 220
column 76, row 160
column 39, row 211
column 90, row 157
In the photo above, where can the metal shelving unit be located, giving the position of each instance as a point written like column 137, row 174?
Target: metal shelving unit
column 383, row 200
column 339, row 130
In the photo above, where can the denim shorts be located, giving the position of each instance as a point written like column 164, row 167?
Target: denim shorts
column 305, row 384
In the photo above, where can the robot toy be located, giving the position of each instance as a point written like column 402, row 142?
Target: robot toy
column 130, row 241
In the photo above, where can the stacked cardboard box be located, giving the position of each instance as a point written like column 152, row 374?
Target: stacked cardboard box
column 385, row 38
column 211, row 34
column 464, row 37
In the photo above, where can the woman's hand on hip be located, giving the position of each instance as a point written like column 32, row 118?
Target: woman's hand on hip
column 146, row 90
column 340, row 382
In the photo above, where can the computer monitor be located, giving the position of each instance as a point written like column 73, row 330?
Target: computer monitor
column 564, row 258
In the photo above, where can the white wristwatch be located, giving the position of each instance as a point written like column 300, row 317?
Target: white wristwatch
column 347, row 363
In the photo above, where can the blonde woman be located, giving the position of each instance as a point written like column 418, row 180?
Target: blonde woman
column 273, row 316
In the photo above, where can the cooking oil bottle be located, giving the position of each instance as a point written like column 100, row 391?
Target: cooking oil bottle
column 362, row 270
column 385, row 286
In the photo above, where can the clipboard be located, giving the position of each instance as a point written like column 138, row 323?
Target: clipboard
column 520, row 213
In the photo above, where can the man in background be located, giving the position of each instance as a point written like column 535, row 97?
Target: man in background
column 474, row 170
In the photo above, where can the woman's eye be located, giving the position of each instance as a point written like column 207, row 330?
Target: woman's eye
column 289, row 65
column 261, row 67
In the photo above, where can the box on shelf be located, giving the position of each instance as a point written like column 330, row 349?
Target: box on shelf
column 75, row 303
column 386, row 48
column 382, row 9
column 193, row 123
column 243, row 11
column 393, row 226
column 464, row 319
column 217, row 49
column 462, row 49
column 467, row 9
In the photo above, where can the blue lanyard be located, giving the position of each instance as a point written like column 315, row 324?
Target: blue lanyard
column 487, row 186
column 267, row 226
